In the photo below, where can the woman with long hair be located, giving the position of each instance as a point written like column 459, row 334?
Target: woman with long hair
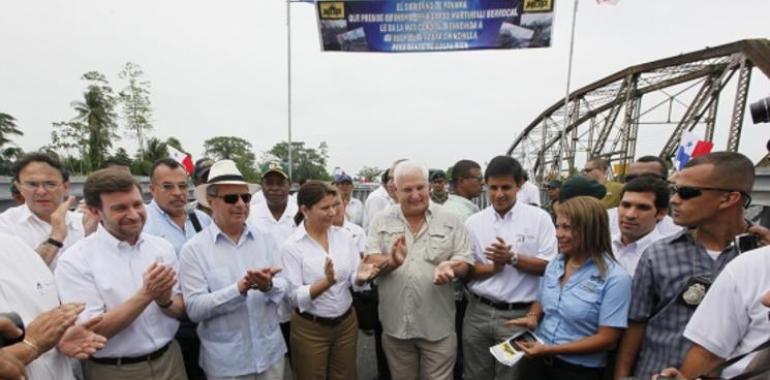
column 320, row 264
column 583, row 301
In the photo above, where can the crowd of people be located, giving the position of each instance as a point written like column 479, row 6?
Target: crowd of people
column 660, row 276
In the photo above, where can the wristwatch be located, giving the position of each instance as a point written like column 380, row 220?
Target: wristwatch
column 165, row 305
column 54, row 242
column 268, row 288
column 514, row 259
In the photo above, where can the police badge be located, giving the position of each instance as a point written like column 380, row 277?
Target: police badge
column 695, row 290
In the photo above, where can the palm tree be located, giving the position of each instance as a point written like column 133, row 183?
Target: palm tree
column 155, row 150
column 96, row 111
column 8, row 127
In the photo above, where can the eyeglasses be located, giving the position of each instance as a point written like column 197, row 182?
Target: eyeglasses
column 233, row 198
column 689, row 192
column 32, row 186
column 182, row 186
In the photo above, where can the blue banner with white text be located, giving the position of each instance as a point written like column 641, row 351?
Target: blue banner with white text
column 434, row 25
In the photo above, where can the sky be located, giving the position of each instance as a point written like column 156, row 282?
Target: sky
column 219, row 68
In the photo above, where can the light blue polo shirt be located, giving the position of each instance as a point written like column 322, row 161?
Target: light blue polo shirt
column 586, row 301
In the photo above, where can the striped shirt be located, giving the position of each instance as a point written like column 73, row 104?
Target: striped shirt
column 660, row 278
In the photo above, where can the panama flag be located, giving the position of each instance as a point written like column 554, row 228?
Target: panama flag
column 182, row 158
column 691, row 146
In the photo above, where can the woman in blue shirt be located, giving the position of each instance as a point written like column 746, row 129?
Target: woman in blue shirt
column 583, row 301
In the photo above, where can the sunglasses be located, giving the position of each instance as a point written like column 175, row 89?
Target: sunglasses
column 689, row 192
column 233, row 198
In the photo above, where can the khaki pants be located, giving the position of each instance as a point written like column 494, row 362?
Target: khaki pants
column 275, row 372
column 169, row 366
column 324, row 352
column 419, row 358
column 482, row 328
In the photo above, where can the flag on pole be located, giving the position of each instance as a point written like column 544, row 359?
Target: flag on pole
column 183, row 158
column 691, row 146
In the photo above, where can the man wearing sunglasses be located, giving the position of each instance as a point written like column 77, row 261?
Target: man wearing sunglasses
column 226, row 274
column 648, row 166
column 44, row 222
column 167, row 218
column 674, row 274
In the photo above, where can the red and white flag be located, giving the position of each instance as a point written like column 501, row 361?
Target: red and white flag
column 183, row 158
column 691, row 146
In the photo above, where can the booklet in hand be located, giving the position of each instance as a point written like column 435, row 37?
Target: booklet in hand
column 508, row 351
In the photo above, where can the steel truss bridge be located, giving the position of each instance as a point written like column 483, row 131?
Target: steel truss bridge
column 673, row 95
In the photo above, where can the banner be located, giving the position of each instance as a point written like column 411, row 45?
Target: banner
column 434, row 25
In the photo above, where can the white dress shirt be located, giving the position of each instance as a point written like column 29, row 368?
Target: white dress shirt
column 239, row 334
column 104, row 272
column 530, row 232
column 377, row 201
column 260, row 217
column 731, row 320
column 628, row 255
column 666, row 226
column 22, row 223
column 358, row 233
column 27, row 287
column 303, row 265
column 529, row 194
column 354, row 211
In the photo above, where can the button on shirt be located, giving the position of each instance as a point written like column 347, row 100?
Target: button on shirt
column 22, row 223
column 659, row 279
column 628, row 255
column 731, row 320
column 303, row 265
column 411, row 306
column 160, row 224
column 530, row 232
column 104, row 272
column 27, row 287
column 577, row 309
column 239, row 334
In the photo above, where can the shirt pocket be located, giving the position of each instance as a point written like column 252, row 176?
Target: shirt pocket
column 439, row 245
column 549, row 295
column 388, row 235
column 584, row 302
column 525, row 242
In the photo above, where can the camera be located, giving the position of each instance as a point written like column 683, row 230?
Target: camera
column 16, row 319
column 746, row 242
column 760, row 111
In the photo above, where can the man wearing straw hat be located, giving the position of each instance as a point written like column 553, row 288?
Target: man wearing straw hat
column 226, row 273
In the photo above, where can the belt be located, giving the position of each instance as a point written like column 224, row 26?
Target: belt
column 502, row 305
column 133, row 360
column 324, row 320
column 555, row 362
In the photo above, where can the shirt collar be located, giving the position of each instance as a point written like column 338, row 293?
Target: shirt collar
column 508, row 215
column 263, row 211
column 106, row 237
column 216, row 232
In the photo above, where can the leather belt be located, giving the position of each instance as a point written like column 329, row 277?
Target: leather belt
column 133, row 360
column 325, row 320
column 502, row 305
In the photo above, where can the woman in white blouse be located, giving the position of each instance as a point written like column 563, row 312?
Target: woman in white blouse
column 320, row 264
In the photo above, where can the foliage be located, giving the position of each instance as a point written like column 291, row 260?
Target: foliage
column 135, row 102
column 370, row 173
column 174, row 142
column 236, row 149
column 92, row 131
column 307, row 163
column 8, row 154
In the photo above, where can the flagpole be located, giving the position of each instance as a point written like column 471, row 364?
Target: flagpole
column 569, row 79
column 288, row 80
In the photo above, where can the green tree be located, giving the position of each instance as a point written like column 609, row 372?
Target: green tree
column 93, row 129
column 174, row 142
column 122, row 157
column 155, row 150
column 135, row 102
column 8, row 127
column 308, row 163
column 370, row 173
column 236, row 149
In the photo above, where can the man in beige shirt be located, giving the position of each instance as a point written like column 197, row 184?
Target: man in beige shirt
column 420, row 249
